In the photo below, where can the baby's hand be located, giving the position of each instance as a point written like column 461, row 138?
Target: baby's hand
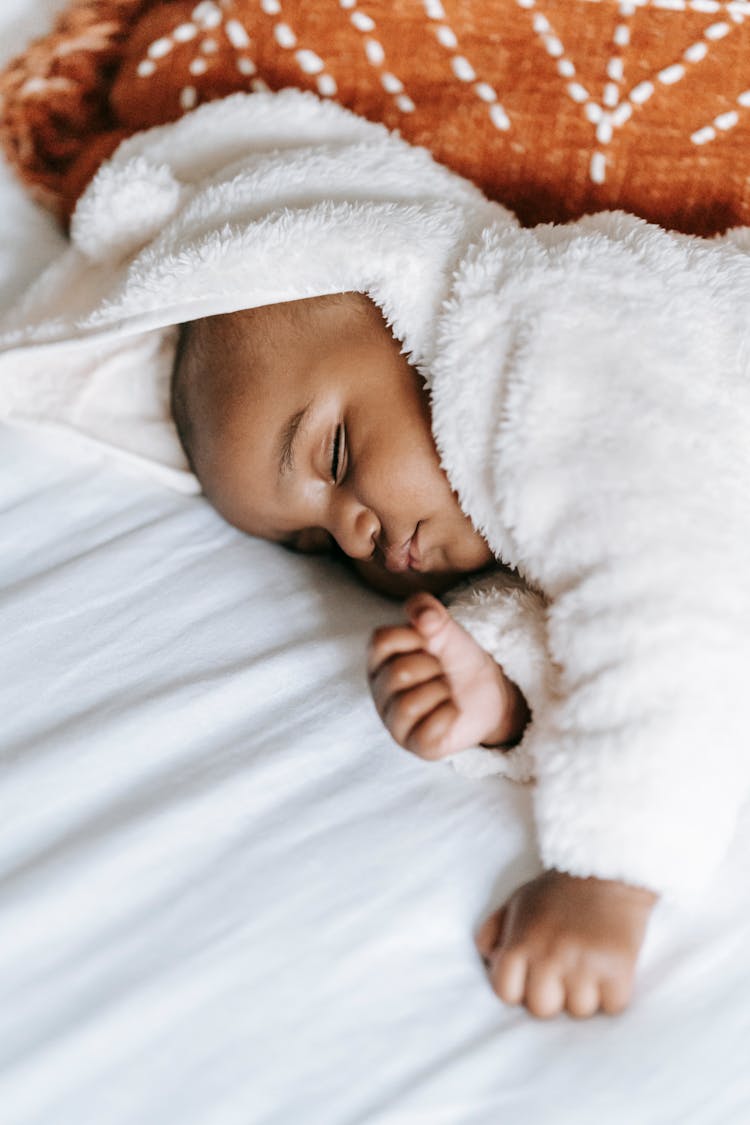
column 566, row 944
column 436, row 690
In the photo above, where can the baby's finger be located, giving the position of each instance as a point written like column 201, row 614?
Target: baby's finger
column 430, row 738
column 401, row 673
column 488, row 935
column 387, row 642
column 425, row 612
column 408, row 710
column 582, row 999
column 545, row 991
column 508, row 971
column 616, row 993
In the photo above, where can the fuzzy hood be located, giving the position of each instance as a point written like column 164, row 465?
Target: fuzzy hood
column 251, row 200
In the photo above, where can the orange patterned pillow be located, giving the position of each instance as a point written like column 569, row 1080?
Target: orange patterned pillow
column 554, row 107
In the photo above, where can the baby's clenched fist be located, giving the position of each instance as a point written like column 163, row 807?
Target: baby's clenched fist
column 562, row 943
column 437, row 691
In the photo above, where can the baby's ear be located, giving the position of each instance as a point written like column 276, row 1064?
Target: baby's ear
column 123, row 208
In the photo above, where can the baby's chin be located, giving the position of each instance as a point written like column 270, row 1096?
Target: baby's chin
column 407, row 582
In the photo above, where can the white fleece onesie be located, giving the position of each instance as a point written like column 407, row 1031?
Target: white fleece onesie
column 591, row 406
column 591, row 403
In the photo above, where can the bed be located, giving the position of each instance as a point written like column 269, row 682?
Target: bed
column 227, row 897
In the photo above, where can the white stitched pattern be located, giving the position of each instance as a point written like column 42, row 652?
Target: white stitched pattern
column 616, row 107
column 375, row 55
column 462, row 67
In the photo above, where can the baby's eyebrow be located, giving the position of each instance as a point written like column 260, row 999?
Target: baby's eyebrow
column 287, row 439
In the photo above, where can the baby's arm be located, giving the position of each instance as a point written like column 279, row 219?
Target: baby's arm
column 559, row 943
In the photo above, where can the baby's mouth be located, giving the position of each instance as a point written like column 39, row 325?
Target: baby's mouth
column 404, row 557
column 415, row 557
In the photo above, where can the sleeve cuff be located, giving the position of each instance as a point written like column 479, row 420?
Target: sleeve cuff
column 508, row 620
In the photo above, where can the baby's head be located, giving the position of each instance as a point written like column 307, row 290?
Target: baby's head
column 305, row 424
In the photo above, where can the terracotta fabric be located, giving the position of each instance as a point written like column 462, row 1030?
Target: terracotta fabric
column 554, row 107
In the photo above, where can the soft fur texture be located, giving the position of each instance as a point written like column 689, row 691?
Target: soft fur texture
column 255, row 199
column 591, row 401
column 591, row 404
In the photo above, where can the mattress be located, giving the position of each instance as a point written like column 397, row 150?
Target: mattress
column 226, row 897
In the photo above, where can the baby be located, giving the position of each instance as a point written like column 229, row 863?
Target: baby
column 305, row 424
column 435, row 390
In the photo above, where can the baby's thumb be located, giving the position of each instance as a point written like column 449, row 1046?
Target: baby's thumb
column 490, row 934
column 427, row 615
column 442, row 636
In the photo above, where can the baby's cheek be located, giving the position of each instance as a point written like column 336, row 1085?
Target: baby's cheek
column 313, row 541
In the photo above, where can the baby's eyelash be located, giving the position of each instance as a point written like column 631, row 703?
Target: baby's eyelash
column 336, row 453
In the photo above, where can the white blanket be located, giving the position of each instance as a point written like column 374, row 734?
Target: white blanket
column 226, row 898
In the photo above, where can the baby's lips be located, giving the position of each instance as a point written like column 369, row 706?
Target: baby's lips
column 405, row 557
column 396, row 559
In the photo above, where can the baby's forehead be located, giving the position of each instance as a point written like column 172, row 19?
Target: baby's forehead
column 263, row 330
column 270, row 351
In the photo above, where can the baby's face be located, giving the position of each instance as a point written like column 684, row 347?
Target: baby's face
column 331, row 440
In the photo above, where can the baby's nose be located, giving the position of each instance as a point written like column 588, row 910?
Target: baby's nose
column 357, row 536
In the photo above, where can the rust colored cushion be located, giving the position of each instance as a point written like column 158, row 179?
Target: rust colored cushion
column 554, row 107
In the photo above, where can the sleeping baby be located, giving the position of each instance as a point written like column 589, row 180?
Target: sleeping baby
column 374, row 356
column 305, row 424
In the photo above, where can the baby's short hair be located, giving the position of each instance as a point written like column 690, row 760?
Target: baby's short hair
column 180, row 404
column 206, row 375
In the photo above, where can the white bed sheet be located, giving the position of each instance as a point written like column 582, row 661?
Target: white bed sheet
column 225, row 897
